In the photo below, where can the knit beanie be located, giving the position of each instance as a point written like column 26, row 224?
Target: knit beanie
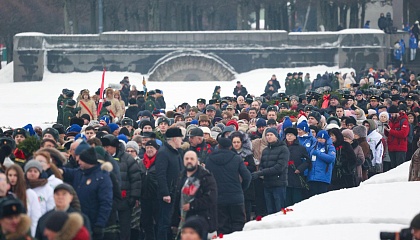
column 287, row 123
column 415, row 223
column 323, row 134
column 55, row 222
column 234, row 123
column 303, row 126
column 198, row 224
column 133, row 145
column 360, row 131
column 347, row 133
column 82, row 146
column 261, row 123
column 89, row 156
column 273, row 131
column 113, row 127
column 33, row 164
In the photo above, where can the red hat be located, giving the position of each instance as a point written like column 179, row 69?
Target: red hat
column 233, row 122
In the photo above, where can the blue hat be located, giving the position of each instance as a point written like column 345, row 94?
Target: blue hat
column 303, row 126
column 106, row 119
column 74, row 128
column 123, row 137
column 261, row 122
column 80, row 135
column 323, row 134
column 82, row 146
column 287, row 123
column 195, row 121
column 273, row 131
column 358, row 92
column 29, row 129
column 113, row 127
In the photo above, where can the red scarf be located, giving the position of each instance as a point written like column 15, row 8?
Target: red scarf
column 326, row 101
column 148, row 162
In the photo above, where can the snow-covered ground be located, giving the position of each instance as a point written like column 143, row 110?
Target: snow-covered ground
column 35, row 102
column 386, row 202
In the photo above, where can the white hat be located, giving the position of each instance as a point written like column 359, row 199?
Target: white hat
column 206, row 130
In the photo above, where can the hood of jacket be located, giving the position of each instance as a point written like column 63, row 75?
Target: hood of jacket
column 372, row 124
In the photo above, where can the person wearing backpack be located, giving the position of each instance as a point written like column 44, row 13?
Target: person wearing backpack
column 374, row 140
column 397, row 134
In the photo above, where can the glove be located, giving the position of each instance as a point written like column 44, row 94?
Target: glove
column 255, row 175
column 98, row 233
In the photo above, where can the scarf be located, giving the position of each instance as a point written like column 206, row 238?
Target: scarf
column 37, row 182
column 148, row 162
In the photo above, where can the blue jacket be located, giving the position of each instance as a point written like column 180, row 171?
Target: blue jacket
column 402, row 44
column 322, row 162
column 94, row 189
column 308, row 142
column 398, row 54
column 413, row 42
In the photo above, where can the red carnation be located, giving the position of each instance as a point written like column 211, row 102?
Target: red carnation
column 291, row 162
column 123, row 193
column 258, row 218
column 220, row 235
column 246, row 164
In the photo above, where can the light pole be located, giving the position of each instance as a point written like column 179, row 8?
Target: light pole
column 100, row 15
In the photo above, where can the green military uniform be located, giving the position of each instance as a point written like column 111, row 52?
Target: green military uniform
column 60, row 105
column 216, row 95
column 335, row 84
column 69, row 113
column 160, row 136
column 103, row 112
column 300, row 87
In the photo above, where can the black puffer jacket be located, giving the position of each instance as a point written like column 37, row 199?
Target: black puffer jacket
column 273, row 164
column 301, row 161
column 130, row 178
column 228, row 168
column 148, row 181
column 168, row 165
column 205, row 199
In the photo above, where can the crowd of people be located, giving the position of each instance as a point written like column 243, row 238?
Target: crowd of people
column 121, row 167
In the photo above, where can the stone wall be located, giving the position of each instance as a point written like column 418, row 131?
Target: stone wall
column 226, row 52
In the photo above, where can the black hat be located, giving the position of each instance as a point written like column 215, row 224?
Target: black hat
column 71, row 102
column 51, row 131
column 395, row 97
column 201, row 100
column 158, row 91
column 300, row 73
column 69, row 93
column 64, row 186
column 334, row 97
column 395, row 87
column 393, row 109
column 349, row 97
column 132, row 101
column 125, row 131
column 110, row 140
column 283, row 105
column 10, row 206
column 315, row 115
column 151, row 92
column 404, row 90
column 20, row 131
column 336, row 73
column 308, row 108
column 85, row 116
column 152, row 143
column 415, row 223
column 7, row 141
column 271, row 121
column 59, row 127
column 212, row 101
column 56, row 221
column 89, row 156
column 291, row 130
column 374, row 98
column 173, row 132
column 289, row 74
column 148, row 134
column 402, row 107
column 127, row 122
column 224, row 142
column 272, row 108
column 196, row 132
column 198, row 224
column 210, row 108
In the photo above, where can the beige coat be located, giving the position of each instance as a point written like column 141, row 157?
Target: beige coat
column 258, row 145
column 90, row 104
column 414, row 174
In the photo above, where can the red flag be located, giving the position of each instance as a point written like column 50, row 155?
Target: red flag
column 101, row 92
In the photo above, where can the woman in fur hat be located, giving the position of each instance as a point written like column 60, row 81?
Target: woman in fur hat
column 117, row 95
column 87, row 106
column 115, row 108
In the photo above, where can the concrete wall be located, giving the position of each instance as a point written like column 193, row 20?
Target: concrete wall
column 242, row 50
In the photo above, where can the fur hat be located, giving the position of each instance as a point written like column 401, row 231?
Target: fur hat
column 51, row 131
column 110, row 140
column 162, row 120
column 290, row 130
column 360, row 131
column 10, row 206
column 243, row 115
column 20, row 131
column 273, row 131
column 348, row 134
column 133, row 145
column 173, row 132
column 89, row 156
column 204, row 117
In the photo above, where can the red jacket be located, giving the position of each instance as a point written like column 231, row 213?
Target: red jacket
column 397, row 136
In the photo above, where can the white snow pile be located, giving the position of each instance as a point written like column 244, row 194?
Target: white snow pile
column 386, row 202
column 35, row 102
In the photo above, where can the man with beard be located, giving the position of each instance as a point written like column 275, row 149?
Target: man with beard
column 204, row 196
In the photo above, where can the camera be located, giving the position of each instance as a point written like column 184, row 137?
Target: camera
column 404, row 234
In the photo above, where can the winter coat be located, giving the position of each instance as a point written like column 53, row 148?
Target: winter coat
column 413, row 42
column 203, row 151
column 298, row 160
column 414, row 173
column 22, row 230
column 68, row 114
column 397, row 136
column 323, row 158
column 273, row 164
column 246, row 154
column 360, row 156
column 168, row 165
column 116, row 110
column 45, row 195
column 344, row 170
column 373, row 138
column 88, row 107
column 205, row 199
column 349, row 81
column 149, row 182
column 33, row 209
column 269, row 91
column 130, row 178
column 382, row 23
column 161, row 102
column 131, row 112
column 240, row 91
column 94, row 189
column 122, row 107
column 53, row 181
column 42, row 221
column 308, row 141
column 397, row 54
column 228, row 169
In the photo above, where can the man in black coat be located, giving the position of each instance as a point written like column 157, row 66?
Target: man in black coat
column 168, row 166
column 130, row 181
column 273, row 168
column 239, row 90
column 204, row 200
column 382, row 23
column 228, row 168
column 132, row 109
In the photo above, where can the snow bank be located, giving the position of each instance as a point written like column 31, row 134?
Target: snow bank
column 398, row 174
column 6, row 73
